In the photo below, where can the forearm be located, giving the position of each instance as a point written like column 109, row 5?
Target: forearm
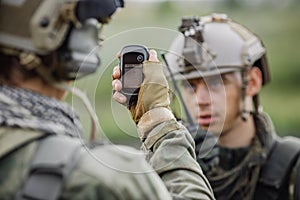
column 169, row 149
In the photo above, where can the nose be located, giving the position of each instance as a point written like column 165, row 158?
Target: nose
column 202, row 94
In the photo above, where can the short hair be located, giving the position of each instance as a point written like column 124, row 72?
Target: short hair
column 10, row 65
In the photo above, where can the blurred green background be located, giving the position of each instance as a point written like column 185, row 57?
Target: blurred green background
column 154, row 24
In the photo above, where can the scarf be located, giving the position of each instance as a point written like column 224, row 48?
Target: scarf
column 239, row 182
column 26, row 109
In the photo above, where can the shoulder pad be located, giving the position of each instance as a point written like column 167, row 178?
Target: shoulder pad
column 14, row 138
column 275, row 174
column 56, row 157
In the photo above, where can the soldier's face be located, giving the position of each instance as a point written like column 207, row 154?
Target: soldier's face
column 214, row 102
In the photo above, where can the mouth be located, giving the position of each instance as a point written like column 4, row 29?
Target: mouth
column 205, row 119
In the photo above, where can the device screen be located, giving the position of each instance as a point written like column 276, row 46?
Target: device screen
column 133, row 76
column 133, row 71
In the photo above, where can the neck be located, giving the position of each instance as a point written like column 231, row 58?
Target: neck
column 240, row 135
column 30, row 81
column 39, row 86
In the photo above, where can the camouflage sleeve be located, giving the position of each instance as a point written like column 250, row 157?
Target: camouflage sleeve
column 169, row 149
column 114, row 172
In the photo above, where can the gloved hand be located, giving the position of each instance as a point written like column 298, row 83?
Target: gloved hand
column 153, row 92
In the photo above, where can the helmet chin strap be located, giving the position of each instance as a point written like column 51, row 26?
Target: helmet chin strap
column 83, row 97
column 244, row 112
column 257, row 108
column 33, row 62
column 80, row 94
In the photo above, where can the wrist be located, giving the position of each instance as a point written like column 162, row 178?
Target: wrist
column 151, row 119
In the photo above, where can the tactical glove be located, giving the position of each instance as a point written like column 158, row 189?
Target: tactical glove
column 153, row 91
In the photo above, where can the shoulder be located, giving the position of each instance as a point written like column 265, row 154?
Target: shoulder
column 278, row 170
column 118, row 171
column 286, row 146
column 105, row 172
column 285, row 152
column 116, row 158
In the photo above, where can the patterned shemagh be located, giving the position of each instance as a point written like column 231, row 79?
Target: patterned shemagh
column 25, row 109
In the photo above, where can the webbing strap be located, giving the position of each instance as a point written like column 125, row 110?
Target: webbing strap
column 54, row 161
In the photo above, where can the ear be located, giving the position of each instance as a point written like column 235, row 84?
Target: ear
column 255, row 81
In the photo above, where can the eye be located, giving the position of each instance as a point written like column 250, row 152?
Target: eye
column 193, row 86
column 189, row 86
column 214, row 83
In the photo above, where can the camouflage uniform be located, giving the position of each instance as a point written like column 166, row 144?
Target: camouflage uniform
column 239, row 174
column 169, row 149
column 52, row 43
column 264, row 168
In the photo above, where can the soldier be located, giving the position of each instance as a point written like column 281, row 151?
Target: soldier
column 222, row 67
column 43, row 46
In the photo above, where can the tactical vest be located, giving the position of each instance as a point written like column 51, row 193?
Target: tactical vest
column 50, row 166
column 283, row 160
column 279, row 171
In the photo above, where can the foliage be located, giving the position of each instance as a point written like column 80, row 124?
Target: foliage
column 278, row 27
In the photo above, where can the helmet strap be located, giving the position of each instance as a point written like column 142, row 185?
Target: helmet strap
column 62, row 85
column 258, row 108
column 95, row 129
column 245, row 80
column 29, row 60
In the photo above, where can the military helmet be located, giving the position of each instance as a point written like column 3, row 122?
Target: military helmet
column 213, row 45
column 39, row 27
